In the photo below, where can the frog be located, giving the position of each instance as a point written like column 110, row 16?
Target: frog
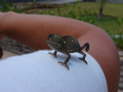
column 67, row 44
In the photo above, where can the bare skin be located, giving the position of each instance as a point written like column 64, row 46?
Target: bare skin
column 33, row 30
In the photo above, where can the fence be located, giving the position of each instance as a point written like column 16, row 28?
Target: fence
column 24, row 0
column 43, row 1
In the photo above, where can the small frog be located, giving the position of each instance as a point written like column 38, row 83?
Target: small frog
column 66, row 45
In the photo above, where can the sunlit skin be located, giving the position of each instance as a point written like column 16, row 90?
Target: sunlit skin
column 66, row 45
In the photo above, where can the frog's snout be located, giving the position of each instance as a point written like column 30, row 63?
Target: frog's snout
column 50, row 36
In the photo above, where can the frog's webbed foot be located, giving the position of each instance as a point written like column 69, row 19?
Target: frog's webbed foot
column 64, row 64
column 53, row 54
column 66, row 61
column 83, row 58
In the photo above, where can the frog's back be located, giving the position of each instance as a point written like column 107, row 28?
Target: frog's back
column 71, row 44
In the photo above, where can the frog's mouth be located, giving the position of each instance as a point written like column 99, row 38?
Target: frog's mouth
column 53, row 45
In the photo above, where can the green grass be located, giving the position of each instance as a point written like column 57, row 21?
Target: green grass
column 85, row 8
column 114, row 9
column 112, row 24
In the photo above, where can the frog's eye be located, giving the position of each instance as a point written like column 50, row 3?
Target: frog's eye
column 50, row 36
column 64, row 42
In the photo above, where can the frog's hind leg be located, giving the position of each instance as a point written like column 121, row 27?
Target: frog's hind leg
column 66, row 61
column 83, row 58
column 86, row 46
column 54, row 53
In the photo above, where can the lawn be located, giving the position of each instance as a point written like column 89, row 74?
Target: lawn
column 112, row 23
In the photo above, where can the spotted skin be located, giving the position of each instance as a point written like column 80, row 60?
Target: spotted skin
column 66, row 45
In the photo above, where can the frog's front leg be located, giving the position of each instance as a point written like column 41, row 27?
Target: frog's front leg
column 66, row 61
column 83, row 58
column 54, row 53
